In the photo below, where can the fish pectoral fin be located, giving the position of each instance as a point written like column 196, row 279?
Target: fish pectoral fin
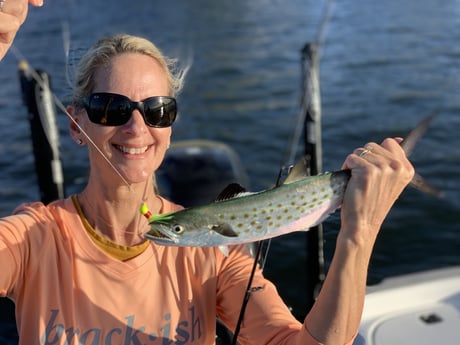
column 224, row 229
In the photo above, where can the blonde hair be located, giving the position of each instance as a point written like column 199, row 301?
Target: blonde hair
column 106, row 48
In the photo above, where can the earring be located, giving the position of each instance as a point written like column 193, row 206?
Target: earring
column 80, row 142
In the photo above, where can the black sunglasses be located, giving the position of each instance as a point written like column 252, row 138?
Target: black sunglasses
column 111, row 109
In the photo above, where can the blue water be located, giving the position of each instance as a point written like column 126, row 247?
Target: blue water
column 384, row 66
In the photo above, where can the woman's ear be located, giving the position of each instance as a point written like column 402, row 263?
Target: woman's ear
column 74, row 128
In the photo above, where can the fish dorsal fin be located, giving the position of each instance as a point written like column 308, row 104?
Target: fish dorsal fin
column 299, row 171
column 233, row 190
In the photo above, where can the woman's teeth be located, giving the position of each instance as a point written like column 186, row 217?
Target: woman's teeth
column 133, row 150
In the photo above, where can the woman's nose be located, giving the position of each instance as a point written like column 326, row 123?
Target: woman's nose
column 136, row 123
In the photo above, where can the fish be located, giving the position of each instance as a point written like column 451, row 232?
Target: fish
column 237, row 216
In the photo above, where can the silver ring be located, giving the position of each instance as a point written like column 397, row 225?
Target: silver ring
column 2, row 3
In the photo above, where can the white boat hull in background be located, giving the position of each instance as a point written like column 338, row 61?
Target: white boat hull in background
column 416, row 309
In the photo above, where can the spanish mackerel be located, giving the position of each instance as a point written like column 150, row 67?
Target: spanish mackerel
column 237, row 216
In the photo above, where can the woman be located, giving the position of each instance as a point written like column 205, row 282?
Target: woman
column 80, row 270
column 12, row 14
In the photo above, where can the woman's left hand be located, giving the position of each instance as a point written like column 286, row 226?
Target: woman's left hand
column 379, row 173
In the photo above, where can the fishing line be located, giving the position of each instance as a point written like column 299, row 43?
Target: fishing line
column 325, row 18
column 66, row 44
column 264, row 258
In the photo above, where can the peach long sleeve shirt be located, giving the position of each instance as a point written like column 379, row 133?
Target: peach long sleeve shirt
column 68, row 291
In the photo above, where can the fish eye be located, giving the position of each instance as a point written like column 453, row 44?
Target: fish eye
column 178, row 229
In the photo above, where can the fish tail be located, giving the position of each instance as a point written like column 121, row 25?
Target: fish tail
column 415, row 135
column 408, row 146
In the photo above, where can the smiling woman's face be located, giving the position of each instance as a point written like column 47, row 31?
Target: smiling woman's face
column 135, row 149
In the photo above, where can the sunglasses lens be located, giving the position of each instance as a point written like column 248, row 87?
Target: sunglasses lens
column 119, row 111
column 109, row 109
column 160, row 111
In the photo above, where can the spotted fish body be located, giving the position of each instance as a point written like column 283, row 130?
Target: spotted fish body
column 300, row 203
column 249, row 217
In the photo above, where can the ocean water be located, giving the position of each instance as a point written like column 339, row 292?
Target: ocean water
column 383, row 67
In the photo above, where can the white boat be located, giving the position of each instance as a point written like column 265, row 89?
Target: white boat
column 413, row 309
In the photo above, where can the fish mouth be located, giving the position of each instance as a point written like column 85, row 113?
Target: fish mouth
column 160, row 236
